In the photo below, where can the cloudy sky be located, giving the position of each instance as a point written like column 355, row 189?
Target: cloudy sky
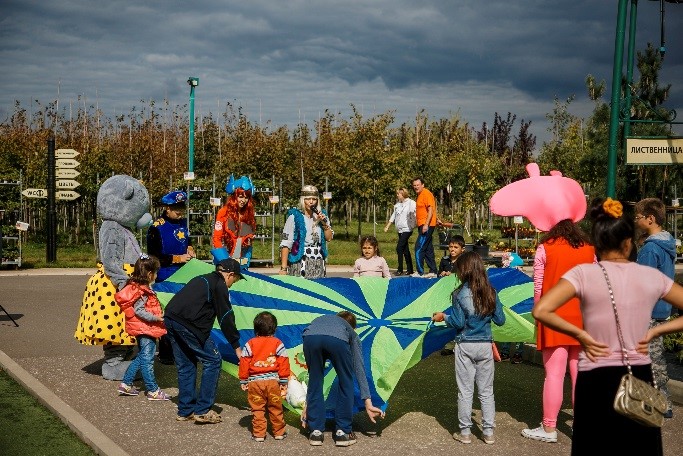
column 287, row 61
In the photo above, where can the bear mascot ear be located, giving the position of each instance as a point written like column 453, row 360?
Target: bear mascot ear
column 544, row 200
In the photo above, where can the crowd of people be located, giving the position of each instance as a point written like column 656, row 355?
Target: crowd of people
column 574, row 276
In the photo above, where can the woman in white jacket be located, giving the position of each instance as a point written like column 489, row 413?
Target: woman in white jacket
column 404, row 219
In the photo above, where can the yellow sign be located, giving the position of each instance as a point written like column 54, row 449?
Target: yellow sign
column 665, row 151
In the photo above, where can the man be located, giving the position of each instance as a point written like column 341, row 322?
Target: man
column 659, row 252
column 425, row 213
column 189, row 317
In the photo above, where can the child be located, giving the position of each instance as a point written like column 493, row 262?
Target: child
column 475, row 305
column 144, row 320
column 371, row 263
column 333, row 337
column 658, row 250
column 456, row 246
column 264, row 372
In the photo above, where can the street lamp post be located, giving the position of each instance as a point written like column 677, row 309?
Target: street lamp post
column 193, row 82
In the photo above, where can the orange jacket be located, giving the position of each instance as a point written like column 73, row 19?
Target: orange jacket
column 425, row 200
column 264, row 357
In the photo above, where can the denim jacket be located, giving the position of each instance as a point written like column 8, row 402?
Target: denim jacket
column 469, row 326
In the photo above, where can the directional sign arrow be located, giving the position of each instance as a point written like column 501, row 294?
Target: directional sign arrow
column 67, row 183
column 66, row 173
column 65, row 153
column 67, row 195
column 35, row 193
column 66, row 163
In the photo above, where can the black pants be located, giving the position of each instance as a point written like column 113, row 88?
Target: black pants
column 165, row 350
column 403, row 251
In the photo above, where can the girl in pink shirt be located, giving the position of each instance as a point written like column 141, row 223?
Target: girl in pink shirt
column 371, row 263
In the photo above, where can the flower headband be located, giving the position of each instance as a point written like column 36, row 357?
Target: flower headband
column 144, row 256
column 613, row 208
column 309, row 194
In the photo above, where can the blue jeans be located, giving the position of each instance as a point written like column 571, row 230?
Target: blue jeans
column 144, row 363
column 317, row 349
column 187, row 350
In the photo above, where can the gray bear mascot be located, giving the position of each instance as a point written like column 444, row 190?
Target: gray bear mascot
column 122, row 204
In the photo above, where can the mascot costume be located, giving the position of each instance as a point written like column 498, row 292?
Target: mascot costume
column 122, row 204
column 235, row 223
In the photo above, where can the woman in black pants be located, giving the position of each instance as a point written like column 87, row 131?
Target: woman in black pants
column 404, row 219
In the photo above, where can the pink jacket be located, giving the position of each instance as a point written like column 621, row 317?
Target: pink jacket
column 135, row 326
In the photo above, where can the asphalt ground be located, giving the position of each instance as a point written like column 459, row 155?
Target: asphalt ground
column 42, row 354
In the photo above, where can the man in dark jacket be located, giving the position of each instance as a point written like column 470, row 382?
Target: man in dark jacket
column 189, row 317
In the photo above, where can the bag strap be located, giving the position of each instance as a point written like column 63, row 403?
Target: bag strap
column 624, row 354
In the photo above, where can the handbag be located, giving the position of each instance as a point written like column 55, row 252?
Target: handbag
column 636, row 399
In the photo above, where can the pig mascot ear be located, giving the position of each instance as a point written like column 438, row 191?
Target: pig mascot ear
column 544, row 200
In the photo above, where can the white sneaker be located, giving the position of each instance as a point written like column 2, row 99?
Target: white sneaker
column 430, row 275
column 415, row 274
column 540, row 434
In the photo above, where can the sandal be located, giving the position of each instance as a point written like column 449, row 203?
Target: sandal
column 209, row 417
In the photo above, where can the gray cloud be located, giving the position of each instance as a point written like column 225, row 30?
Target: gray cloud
column 290, row 61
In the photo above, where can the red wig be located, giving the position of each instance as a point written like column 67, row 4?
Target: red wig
column 247, row 213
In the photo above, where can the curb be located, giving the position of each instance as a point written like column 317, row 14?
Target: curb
column 88, row 433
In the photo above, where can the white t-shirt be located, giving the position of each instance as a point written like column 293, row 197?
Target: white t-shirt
column 404, row 216
column 636, row 290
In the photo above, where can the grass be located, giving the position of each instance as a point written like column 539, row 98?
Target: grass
column 343, row 250
column 21, row 415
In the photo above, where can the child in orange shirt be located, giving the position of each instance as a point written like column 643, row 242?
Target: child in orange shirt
column 263, row 373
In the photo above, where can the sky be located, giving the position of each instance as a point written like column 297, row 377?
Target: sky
column 286, row 62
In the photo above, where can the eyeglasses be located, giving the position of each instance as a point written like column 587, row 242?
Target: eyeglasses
column 638, row 217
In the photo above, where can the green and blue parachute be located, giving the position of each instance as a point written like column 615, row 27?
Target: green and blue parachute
column 393, row 317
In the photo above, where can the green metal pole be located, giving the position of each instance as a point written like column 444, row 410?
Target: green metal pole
column 629, row 68
column 616, row 92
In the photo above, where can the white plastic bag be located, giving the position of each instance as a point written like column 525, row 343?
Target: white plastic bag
column 296, row 392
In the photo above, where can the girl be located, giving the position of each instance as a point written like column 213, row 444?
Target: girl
column 475, row 305
column 635, row 289
column 371, row 263
column 144, row 320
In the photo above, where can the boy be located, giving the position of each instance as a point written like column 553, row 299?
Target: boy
column 659, row 252
column 263, row 373
column 189, row 318
column 456, row 246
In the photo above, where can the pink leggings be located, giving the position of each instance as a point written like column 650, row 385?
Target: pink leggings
column 555, row 363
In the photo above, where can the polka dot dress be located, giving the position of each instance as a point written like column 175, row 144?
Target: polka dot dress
column 101, row 321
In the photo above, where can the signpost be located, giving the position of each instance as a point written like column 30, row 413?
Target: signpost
column 67, row 183
column 66, row 163
column 35, row 193
column 67, row 195
column 66, row 153
column 66, row 173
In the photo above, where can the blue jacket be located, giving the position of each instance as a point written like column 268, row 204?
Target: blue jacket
column 659, row 252
column 469, row 326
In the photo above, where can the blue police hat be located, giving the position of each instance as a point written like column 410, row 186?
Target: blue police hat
column 174, row 198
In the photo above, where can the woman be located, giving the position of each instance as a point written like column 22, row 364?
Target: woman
column 564, row 246
column 636, row 289
column 307, row 231
column 235, row 223
column 404, row 219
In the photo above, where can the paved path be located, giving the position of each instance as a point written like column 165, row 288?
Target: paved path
column 43, row 355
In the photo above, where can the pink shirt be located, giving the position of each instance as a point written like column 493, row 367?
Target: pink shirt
column 374, row 267
column 636, row 290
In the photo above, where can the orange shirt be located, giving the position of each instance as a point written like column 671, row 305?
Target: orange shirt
column 560, row 258
column 424, row 201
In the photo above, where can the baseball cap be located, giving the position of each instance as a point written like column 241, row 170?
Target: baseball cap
column 175, row 198
column 230, row 265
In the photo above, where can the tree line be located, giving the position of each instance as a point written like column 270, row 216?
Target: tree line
column 362, row 159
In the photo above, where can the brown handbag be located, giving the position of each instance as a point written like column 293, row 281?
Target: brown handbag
column 636, row 399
